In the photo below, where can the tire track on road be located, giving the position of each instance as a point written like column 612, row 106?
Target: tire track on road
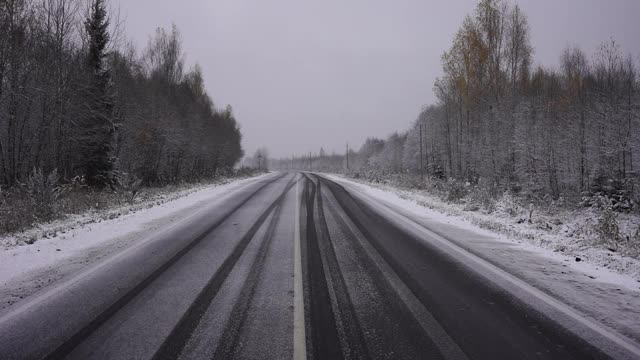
column 321, row 329
column 352, row 339
column 229, row 342
column 173, row 346
column 68, row 345
column 416, row 333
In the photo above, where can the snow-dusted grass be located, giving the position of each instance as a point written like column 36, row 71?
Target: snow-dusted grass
column 101, row 206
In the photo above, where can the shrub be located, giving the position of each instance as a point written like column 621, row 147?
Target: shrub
column 508, row 204
column 409, row 181
column 607, row 227
column 633, row 246
column 128, row 186
column 618, row 192
column 484, row 193
column 456, row 190
column 43, row 191
column 37, row 199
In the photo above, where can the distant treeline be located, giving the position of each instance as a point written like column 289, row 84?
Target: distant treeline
column 74, row 98
column 527, row 128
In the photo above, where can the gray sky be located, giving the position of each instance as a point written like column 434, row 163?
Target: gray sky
column 306, row 74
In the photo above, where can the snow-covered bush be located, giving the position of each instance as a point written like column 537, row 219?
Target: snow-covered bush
column 607, row 228
column 373, row 174
column 15, row 210
column 455, row 190
column 408, row 181
column 128, row 186
column 43, row 191
column 508, row 204
column 619, row 194
column 35, row 200
column 484, row 193
column 633, row 243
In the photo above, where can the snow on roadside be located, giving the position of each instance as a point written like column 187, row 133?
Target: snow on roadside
column 148, row 199
column 88, row 238
column 609, row 294
column 562, row 245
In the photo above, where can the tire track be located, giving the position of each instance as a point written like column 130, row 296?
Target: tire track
column 321, row 329
column 70, row 344
column 353, row 342
column 173, row 346
column 231, row 336
column 417, row 339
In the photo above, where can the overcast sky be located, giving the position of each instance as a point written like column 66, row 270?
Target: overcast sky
column 306, row 74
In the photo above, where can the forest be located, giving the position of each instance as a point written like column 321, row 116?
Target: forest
column 86, row 118
column 504, row 124
column 77, row 99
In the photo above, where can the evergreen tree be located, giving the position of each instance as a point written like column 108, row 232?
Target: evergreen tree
column 99, row 129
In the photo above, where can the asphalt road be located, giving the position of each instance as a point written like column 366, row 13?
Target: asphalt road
column 295, row 265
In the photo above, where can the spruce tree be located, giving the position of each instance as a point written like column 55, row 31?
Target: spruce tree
column 99, row 129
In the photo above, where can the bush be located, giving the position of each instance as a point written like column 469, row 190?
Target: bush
column 607, row 228
column 128, row 186
column 16, row 211
column 370, row 174
column 618, row 192
column 456, row 190
column 508, row 204
column 484, row 193
column 633, row 246
column 43, row 191
column 37, row 199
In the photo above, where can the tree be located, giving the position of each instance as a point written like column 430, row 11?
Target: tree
column 17, row 39
column 58, row 82
column 518, row 54
column 390, row 158
column 98, row 129
column 576, row 73
column 261, row 159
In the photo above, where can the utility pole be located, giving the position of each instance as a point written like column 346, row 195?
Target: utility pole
column 426, row 149
column 421, row 167
column 310, row 162
column 347, row 156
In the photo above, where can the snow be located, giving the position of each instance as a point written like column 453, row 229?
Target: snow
column 87, row 239
column 610, row 295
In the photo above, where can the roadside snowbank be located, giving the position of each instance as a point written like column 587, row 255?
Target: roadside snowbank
column 74, row 243
column 602, row 285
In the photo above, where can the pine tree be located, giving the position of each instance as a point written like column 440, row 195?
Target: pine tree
column 99, row 129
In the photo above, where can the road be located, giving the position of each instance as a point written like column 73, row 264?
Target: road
column 294, row 265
